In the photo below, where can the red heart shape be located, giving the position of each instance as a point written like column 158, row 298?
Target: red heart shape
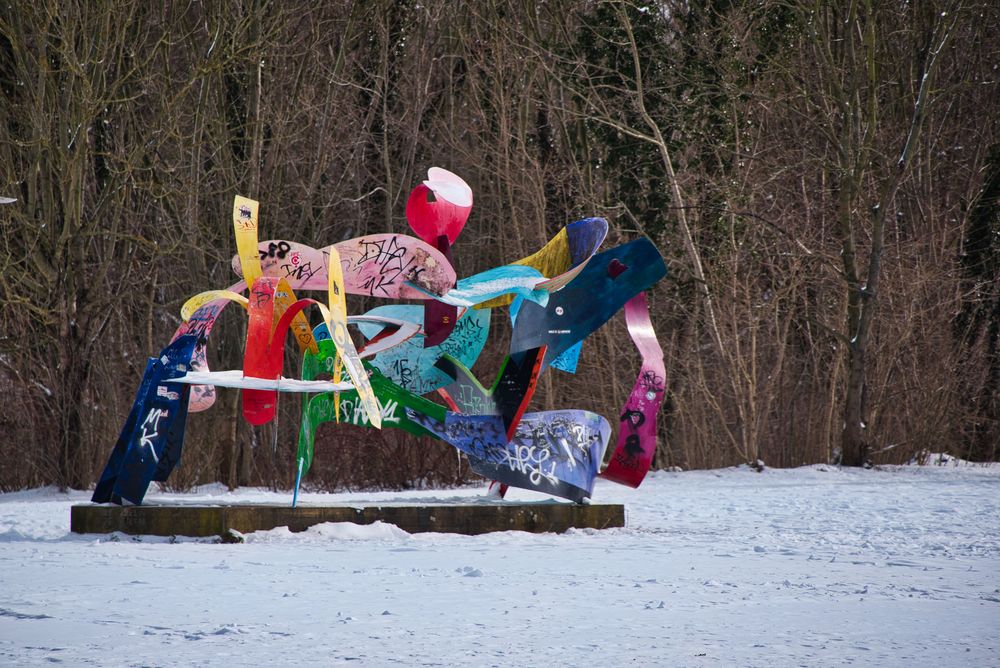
column 616, row 268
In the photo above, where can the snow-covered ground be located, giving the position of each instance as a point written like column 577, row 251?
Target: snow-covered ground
column 816, row 566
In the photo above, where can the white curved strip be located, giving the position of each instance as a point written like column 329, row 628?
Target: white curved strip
column 236, row 378
column 451, row 192
column 449, row 186
column 406, row 331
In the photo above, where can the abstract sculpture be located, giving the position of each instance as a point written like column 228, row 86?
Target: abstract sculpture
column 556, row 298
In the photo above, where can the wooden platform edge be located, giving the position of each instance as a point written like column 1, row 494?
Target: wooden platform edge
column 469, row 519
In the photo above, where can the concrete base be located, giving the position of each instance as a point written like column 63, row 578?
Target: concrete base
column 181, row 520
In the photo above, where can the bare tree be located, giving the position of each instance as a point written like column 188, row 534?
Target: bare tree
column 844, row 100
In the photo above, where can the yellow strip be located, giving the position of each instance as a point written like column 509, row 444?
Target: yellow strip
column 336, row 321
column 202, row 298
column 245, row 222
column 245, row 226
column 284, row 297
column 551, row 259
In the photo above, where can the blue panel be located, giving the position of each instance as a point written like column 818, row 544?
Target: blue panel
column 150, row 444
column 410, row 365
column 608, row 281
column 568, row 360
column 584, row 237
column 509, row 279
column 552, row 452
column 106, row 484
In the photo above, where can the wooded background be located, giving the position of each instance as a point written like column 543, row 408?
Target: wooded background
column 823, row 179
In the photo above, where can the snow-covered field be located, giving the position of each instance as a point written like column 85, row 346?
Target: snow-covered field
column 816, row 566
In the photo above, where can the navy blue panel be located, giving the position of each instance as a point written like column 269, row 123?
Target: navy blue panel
column 608, row 281
column 106, row 484
column 175, row 436
column 552, row 452
column 584, row 236
column 150, row 444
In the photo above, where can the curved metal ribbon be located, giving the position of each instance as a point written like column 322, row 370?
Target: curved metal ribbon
column 150, row 442
column 636, row 444
column 393, row 401
column 487, row 285
column 392, row 266
column 200, row 322
column 336, row 321
column 259, row 406
column 562, row 257
column 552, row 452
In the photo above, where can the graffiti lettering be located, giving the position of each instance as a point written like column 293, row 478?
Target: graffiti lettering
column 633, row 418
column 202, row 393
column 651, row 381
column 200, row 322
column 472, row 402
column 403, row 373
column 261, row 296
column 411, row 366
column 529, row 460
column 151, row 430
column 387, row 254
column 556, row 451
column 278, row 250
column 629, row 456
column 384, row 263
column 331, row 362
column 353, row 412
column 380, row 282
column 302, row 272
column 244, row 219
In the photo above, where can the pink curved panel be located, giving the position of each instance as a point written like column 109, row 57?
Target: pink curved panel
column 636, row 443
column 376, row 265
column 201, row 323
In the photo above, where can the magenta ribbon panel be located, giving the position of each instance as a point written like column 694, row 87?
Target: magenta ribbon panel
column 636, row 444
